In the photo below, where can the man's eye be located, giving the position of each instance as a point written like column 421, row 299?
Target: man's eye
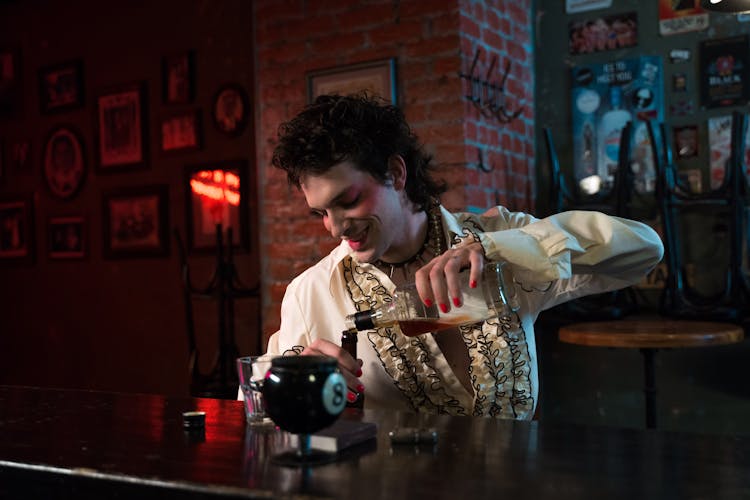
column 350, row 204
column 317, row 213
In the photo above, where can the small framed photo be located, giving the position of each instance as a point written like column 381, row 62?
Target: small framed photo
column 135, row 222
column 377, row 78
column 16, row 230
column 686, row 141
column 10, row 80
column 61, row 87
column 121, row 129
column 231, row 109
column 679, row 82
column 66, row 237
column 178, row 75
column 216, row 194
column 181, row 131
column 64, row 162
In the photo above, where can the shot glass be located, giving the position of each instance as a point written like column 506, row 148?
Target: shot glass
column 252, row 372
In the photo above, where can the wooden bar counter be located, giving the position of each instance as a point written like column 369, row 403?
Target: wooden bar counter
column 81, row 444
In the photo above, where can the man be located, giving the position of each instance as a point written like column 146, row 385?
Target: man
column 362, row 170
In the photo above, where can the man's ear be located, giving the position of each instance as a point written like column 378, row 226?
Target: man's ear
column 397, row 171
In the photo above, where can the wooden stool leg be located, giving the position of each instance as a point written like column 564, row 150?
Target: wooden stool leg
column 649, row 387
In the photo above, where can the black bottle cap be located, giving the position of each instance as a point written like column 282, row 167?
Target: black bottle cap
column 363, row 321
column 194, row 420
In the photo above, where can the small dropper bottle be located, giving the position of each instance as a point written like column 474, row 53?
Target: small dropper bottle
column 349, row 344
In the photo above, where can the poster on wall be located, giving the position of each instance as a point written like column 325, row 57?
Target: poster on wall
column 573, row 6
column 720, row 145
column 724, row 72
column 605, row 97
column 602, row 34
column 681, row 16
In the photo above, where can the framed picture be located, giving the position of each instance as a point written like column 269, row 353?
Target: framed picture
column 374, row 77
column 10, row 80
column 64, row 162
column 181, row 131
column 121, row 129
column 231, row 109
column 216, row 194
column 135, row 222
column 61, row 87
column 66, row 237
column 724, row 71
column 16, row 230
column 178, row 76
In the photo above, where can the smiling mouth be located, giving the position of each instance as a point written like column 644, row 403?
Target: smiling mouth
column 358, row 241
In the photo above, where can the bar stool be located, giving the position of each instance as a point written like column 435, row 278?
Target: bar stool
column 650, row 335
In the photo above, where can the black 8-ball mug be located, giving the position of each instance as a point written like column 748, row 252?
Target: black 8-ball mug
column 302, row 395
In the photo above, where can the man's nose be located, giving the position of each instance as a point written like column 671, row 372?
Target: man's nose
column 337, row 224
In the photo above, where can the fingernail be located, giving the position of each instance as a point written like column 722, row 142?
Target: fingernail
column 360, row 388
column 456, row 301
column 351, row 397
column 473, row 284
column 428, row 302
column 359, row 373
column 443, row 308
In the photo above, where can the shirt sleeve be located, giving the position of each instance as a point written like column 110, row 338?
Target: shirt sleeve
column 571, row 243
column 293, row 335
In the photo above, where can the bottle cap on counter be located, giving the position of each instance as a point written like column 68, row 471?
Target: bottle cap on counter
column 193, row 420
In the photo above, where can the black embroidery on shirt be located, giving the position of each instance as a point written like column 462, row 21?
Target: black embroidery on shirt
column 405, row 376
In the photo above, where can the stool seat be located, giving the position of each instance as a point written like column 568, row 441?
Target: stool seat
column 649, row 335
column 658, row 333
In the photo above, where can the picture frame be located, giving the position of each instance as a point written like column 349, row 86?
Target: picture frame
column 230, row 109
column 178, row 78
column 64, row 164
column 121, row 129
column 10, row 80
column 61, row 87
column 181, row 131
column 216, row 193
column 374, row 77
column 66, row 237
column 16, row 230
column 135, row 222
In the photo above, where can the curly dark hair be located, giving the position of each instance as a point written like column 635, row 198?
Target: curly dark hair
column 359, row 128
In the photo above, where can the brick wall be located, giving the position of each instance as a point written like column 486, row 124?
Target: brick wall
column 432, row 42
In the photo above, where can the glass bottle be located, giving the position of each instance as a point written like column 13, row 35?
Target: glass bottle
column 494, row 297
column 349, row 344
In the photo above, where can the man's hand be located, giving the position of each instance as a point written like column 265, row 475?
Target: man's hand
column 350, row 368
column 438, row 281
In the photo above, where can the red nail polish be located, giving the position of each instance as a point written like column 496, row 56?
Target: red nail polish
column 360, row 388
column 456, row 302
column 444, row 308
column 351, row 397
column 427, row 302
column 359, row 373
column 473, row 284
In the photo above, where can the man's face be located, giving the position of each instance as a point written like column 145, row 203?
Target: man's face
column 356, row 207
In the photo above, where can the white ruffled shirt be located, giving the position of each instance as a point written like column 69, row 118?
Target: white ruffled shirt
column 559, row 258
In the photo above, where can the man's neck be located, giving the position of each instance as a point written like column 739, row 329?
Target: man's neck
column 415, row 234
